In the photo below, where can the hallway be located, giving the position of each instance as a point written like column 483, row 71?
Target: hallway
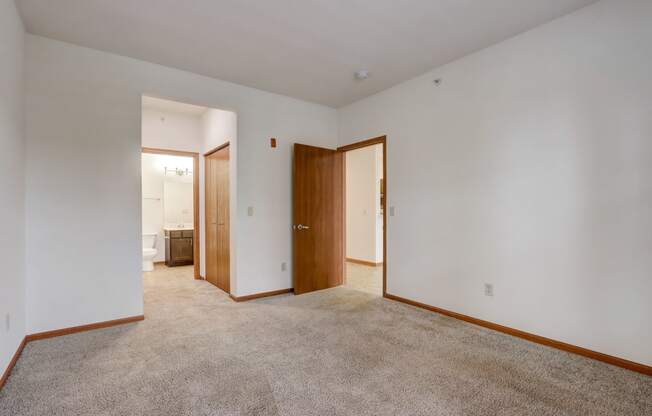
column 364, row 278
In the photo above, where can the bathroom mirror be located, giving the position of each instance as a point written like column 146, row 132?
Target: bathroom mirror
column 177, row 200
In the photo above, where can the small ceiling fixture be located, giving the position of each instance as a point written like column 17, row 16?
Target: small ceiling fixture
column 177, row 171
column 361, row 74
column 438, row 81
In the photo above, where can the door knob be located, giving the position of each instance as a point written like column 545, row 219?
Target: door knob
column 302, row 227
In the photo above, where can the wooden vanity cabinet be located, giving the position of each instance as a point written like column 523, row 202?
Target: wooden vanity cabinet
column 178, row 247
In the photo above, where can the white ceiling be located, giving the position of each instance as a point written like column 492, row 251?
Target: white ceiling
column 307, row 49
column 157, row 104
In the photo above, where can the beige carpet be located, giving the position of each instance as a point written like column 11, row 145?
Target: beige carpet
column 364, row 278
column 337, row 352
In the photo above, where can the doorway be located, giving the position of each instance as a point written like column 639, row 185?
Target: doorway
column 170, row 190
column 218, row 258
column 320, row 216
column 364, row 196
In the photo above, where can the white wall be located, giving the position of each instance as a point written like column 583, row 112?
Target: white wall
column 152, row 203
column 264, row 183
column 529, row 168
column 218, row 127
column 363, row 205
column 171, row 130
column 12, row 183
column 84, row 137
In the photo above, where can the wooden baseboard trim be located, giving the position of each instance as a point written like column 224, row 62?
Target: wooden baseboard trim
column 61, row 332
column 609, row 359
column 12, row 363
column 364, row 262
column 82, row 328
column 261, row 295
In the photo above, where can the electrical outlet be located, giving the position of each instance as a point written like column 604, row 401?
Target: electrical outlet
column 488, row 289
column 7, row 322
column 284, row 266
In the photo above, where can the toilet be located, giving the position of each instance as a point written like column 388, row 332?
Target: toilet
column 149, row 251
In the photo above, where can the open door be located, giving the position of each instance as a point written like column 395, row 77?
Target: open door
column 318, row 218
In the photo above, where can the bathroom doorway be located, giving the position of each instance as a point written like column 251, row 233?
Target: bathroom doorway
column 170, row 189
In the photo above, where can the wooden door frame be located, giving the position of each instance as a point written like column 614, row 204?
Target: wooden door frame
column 196, row 255
column 359, row 145
column 217, row 149
column 205, row 155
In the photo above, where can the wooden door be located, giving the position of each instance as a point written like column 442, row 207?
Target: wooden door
column 218, row 261
column 318, row 218
column 210, row 195
column 223, row 223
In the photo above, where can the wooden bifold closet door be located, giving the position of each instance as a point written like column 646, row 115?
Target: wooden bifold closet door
column 217, row 219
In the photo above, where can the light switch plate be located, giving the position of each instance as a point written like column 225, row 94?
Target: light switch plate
column 488, row 289
column 250, row 211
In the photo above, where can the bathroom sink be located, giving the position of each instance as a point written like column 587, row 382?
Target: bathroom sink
column 178, row 228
